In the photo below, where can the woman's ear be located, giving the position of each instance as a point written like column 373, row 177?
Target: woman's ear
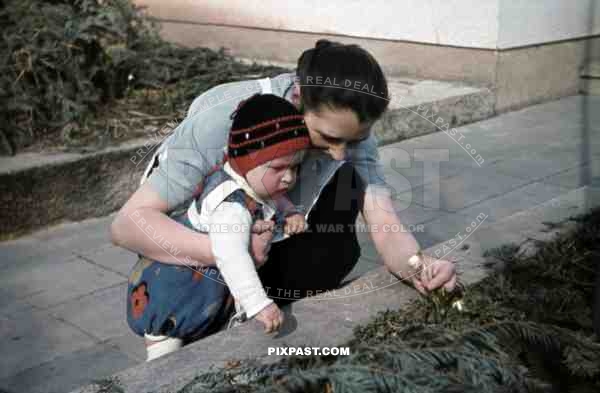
column 296, row 90
column 297, row 97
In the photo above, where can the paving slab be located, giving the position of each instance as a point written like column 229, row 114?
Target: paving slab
column 363, row 266
column 553, row 124
column 58, row 242
column 411, row 217
column 45, row 283
column 462, row 146
column 368, row 254
column 31, row 338
column 553, row 114
column 26, row 249
column 449, row 226
column 542, row 223
column 413, row 214
column 111, row 257
column 476, row 145
column 532, row 223
column 587, row 174
column 538, row 165
column 405, row 169
column 101, row 313
column 77, row 236
column 426, row 233
column 467, row 248
column 514, row 201
column 65, row 373
column 9, row 305
column 461, row 191
column 130, row 344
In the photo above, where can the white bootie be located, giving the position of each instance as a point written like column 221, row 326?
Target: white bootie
column 162, row 345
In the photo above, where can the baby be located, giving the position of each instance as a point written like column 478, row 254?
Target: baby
column 266, row 144
column 169, row 304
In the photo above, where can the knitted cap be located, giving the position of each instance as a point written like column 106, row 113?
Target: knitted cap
column 265, row 127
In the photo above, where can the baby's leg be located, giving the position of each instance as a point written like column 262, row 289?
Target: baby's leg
column 172, row 305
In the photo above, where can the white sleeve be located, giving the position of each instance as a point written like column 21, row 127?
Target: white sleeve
column 230, row 230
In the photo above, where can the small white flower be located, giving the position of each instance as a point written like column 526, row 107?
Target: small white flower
column 415, row 262
column 458, row 305
column 130, row 77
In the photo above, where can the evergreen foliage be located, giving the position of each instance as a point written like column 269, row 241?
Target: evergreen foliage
column 89, row 71
column 526, row 328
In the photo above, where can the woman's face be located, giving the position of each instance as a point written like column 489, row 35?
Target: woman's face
column 332, row 130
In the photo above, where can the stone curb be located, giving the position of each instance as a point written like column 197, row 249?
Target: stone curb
column 412, row 112
column 38, row 190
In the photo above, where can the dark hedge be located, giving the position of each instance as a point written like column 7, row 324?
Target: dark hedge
column 76, row 72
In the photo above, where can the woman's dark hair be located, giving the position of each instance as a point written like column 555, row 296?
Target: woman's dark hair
column 342, row 76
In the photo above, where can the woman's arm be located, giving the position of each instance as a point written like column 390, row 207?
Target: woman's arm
column 143, row 227
column 396, row 247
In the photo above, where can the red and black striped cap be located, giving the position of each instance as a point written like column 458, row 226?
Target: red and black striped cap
column 265, row 127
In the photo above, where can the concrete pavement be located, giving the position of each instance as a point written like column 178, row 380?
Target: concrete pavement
column 62, row 290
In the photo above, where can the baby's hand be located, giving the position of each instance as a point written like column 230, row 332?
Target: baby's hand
column 271, row 317
column 294, row 223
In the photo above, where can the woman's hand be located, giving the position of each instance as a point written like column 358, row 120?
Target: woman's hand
column 262, row 233
column 436, row 273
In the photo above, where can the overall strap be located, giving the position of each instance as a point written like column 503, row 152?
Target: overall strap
column 265, row 85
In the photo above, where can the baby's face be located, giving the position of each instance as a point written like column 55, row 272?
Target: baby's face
column 275, row 177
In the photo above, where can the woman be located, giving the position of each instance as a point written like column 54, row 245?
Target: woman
column 341, row 91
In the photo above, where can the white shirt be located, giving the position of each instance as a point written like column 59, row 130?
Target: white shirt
column 229, row 226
